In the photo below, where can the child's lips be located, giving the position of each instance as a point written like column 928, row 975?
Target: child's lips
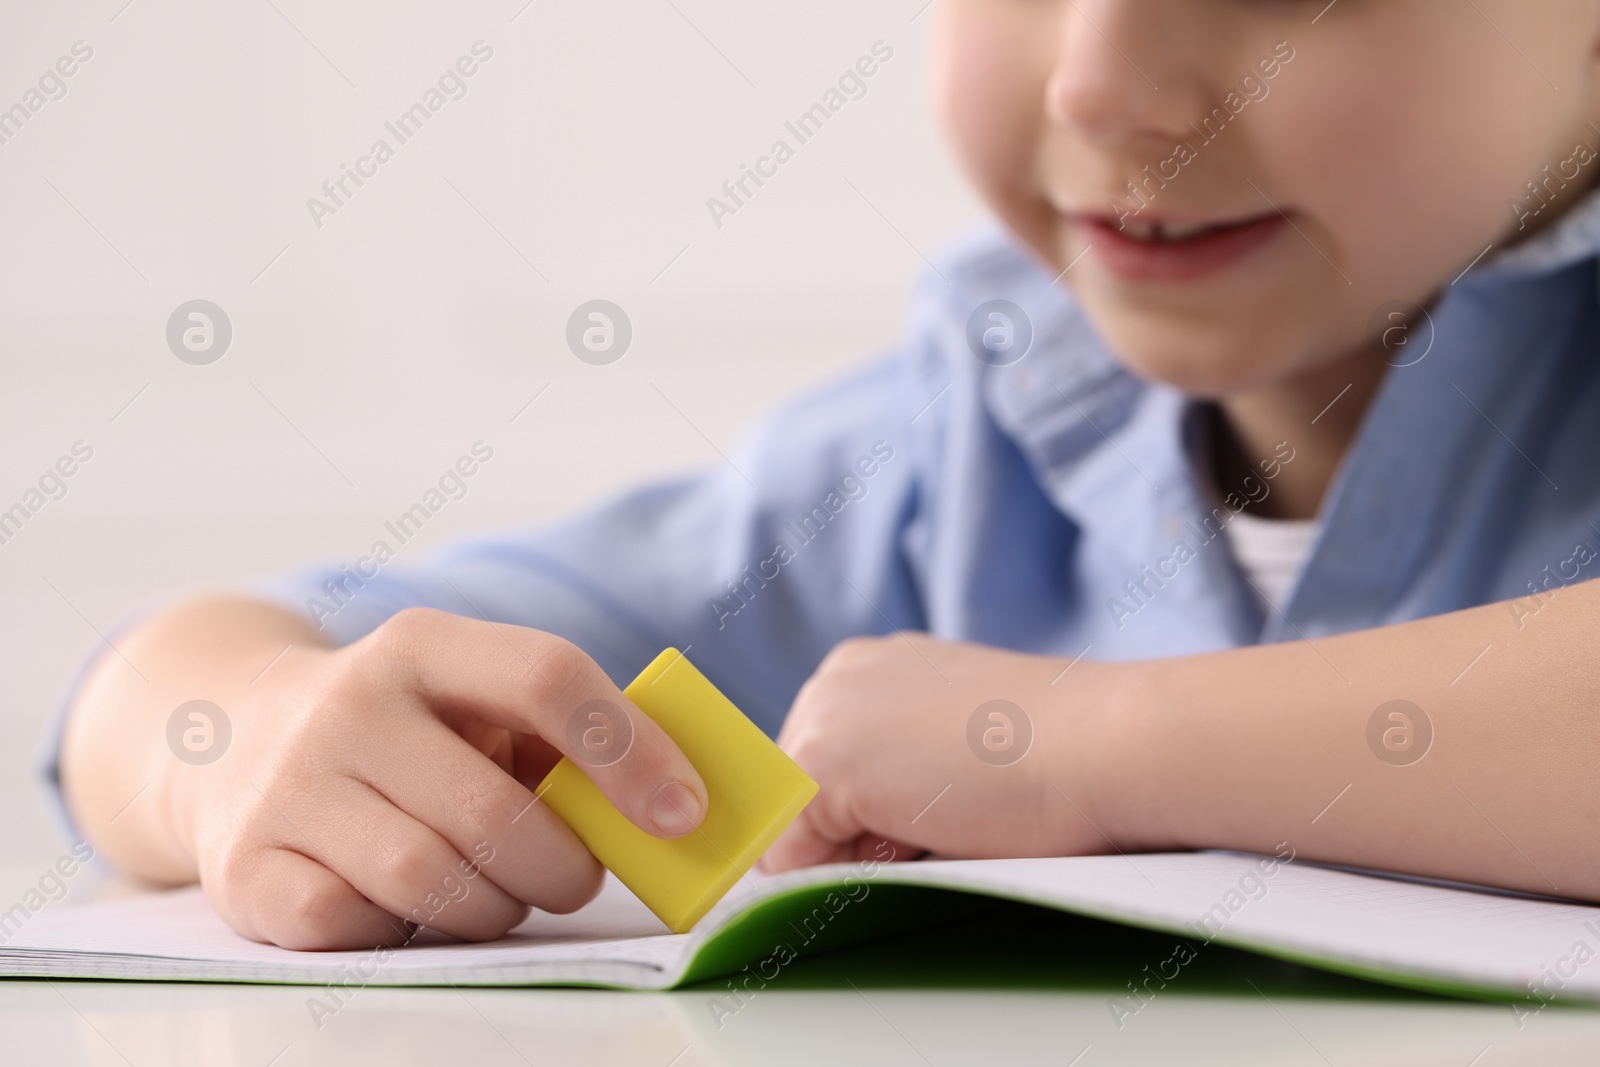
column 1153, row 249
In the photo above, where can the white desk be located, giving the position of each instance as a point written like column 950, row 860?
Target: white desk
column 71, row 1023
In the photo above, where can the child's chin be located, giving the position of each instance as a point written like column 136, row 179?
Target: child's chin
column 1205, row 370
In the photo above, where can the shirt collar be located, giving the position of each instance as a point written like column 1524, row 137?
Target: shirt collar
column 1116, row 453
column 1576, row 236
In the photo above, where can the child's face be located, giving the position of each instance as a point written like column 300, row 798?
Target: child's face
column 1392, row 134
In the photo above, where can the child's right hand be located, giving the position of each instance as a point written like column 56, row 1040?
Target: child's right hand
column 392, row 782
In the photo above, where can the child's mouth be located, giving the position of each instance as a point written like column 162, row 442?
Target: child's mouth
column 1171, row 250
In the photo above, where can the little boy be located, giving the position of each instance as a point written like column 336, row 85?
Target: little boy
column 1240, row 494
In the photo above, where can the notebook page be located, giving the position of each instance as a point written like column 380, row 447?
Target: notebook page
column 614, row 940
column 1415, row 932
column 1432, row 933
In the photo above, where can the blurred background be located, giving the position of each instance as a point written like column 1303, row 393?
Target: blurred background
column 371, row 345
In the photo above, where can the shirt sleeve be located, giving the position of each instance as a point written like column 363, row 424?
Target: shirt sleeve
column 754, row 567
column 810, row 531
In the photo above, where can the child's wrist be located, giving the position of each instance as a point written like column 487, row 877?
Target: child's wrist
column 1131, row 806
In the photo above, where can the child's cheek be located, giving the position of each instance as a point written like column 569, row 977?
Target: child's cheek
column 988, row 72
column 1344, row 141
column 1356, row 177
column 1432, row 142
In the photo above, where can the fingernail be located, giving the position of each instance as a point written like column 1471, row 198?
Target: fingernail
column 675, row 809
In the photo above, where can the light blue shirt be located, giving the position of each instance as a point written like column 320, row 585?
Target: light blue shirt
column 1055, row 504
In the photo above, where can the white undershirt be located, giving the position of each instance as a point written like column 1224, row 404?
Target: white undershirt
column 1271, row 552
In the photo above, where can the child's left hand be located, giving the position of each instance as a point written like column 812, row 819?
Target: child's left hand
column 891, row 729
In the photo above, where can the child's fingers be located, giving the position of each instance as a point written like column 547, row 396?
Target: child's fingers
column 489, row 817
column 884, row 849
column 532, row 758
column 403, row 866
column 533, row 682
column 804, row 845
column 811, row 839
column 284, row 898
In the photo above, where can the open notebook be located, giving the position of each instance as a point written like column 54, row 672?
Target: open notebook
column 1423, row 935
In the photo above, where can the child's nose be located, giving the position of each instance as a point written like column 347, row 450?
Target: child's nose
column 1118, row 73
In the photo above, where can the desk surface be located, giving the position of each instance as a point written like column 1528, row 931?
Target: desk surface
column 71, row 1023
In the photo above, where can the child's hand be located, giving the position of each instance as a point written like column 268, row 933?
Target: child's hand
column 891, row 729
column 391, row 782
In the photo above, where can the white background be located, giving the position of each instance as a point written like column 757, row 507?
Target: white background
column 409, row 325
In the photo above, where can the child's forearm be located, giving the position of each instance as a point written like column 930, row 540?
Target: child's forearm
column 117, row 766
column 1271, row 744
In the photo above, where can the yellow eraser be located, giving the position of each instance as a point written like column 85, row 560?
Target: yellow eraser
column 755, row 791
